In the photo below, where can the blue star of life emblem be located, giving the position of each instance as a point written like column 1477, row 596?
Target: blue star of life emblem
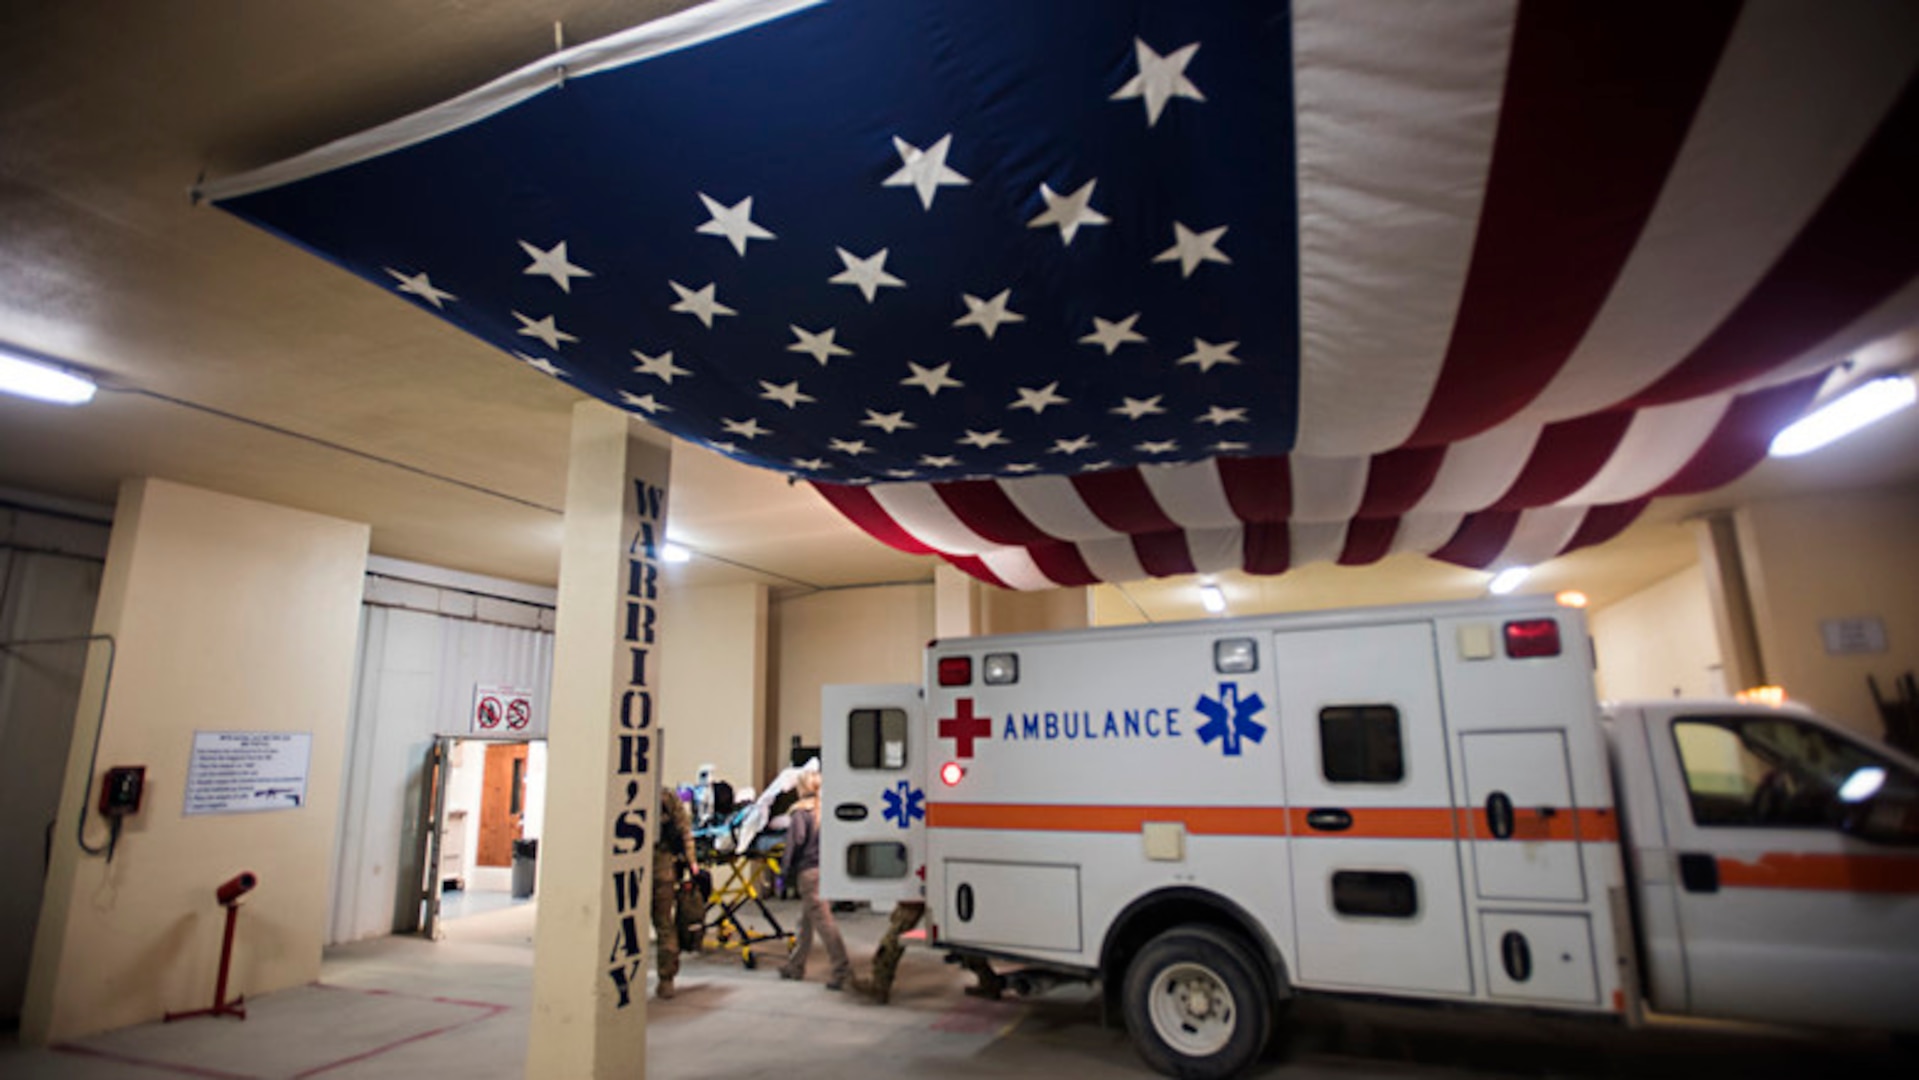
column 1230, row 718
column 903, row 804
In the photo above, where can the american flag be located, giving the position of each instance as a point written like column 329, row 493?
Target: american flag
column 1092, row 290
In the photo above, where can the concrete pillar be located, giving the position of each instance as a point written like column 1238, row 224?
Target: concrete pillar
column 1721, row 554
column 956, row 602
column 590, row 946
column 217, row 616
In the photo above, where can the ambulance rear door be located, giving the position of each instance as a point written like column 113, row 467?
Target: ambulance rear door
column 872, row 794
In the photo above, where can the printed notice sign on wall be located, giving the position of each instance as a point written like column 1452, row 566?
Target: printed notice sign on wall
column 1857, row 634
column 238, row 772
column 503, row 712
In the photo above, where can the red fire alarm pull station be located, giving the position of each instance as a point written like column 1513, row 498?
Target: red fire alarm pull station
column 120, row 790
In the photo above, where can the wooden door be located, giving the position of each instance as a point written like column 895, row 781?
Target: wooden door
column 502, row 803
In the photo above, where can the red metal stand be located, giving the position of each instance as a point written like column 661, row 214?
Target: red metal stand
column 229, row 899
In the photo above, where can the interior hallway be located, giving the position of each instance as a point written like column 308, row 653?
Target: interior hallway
column 404, row 1007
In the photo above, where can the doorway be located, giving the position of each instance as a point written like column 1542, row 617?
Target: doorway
column 487, row 823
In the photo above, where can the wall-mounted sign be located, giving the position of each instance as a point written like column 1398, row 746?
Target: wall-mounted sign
column 503, row 712
column 1855, row 634
column 239, row 772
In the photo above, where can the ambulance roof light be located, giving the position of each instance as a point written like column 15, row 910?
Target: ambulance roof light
column 1000, row 669
column 1532, row 638
column 1235, row 656
column 956, row 671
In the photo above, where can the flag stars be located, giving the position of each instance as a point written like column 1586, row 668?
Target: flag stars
column 1038, row 399
column 1228, row 447
column 1217, row 416
column 930, row 379
column 421, row 286
column 1134, row 408
column 1022, row 467
column 868, row 275
column 1167, row 447
column 820, row 346
column 1111, row 335
column 1072, row 446
column 660, row 367
column 702, row 303
column 1193, row 248
column 1160, row 79
column 938, row 461
column 1069, row 212
column 747, row 429
column 643, row 402
column 734, row 223
column 1095, row 466
column 849, row 447
column 787, row 394
column 810, row 464
column 1206, row 354
column 901, row 474
column 541, row 364
column 545, row 329
column 985, row 440
column 553, row 263
column 988, row 314
column 887, row 422
column 925, row 171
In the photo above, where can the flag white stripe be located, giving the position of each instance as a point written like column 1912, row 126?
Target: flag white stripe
column 1191, row 494
column 1542, row 533
column 1762, row 155
column 1478, row 470
column 1423, row 534
column 1327, row 489
column 1313, row 542
column 1658, row 443
column 1217, row 550
column 1016, row 568
column 1396, row 111
column 1112, row 560
column 1052, row 505
column 923, row 514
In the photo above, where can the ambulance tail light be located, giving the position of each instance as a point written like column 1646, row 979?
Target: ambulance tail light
column 956, row 671
column 1526, row 638
column 952, row 773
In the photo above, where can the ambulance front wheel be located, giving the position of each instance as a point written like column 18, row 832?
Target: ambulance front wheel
column 1196, row 1005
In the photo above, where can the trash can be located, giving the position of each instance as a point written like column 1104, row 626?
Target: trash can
column 526, row 856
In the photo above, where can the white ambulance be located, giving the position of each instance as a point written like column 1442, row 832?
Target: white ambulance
column 1417, row 802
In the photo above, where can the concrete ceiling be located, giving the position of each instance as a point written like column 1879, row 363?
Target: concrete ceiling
column 236, row 362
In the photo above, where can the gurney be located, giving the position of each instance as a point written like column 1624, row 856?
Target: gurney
column 743, row 855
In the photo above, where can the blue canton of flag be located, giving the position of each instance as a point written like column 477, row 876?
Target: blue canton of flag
column 978, row 252
column 903, row 805
column 1230, row 719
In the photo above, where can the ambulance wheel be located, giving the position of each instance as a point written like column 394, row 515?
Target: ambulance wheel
column 1195, row 1004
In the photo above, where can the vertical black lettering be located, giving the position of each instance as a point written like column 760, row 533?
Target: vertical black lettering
column 639, row 667
column 633, row 754
column 636, row 710
column 629, row 832
column 626, row 889
column 624, row 975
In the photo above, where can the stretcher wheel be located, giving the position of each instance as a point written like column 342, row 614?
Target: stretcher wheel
column 748, row 960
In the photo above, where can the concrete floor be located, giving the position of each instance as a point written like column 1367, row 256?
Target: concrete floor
column 402, row 1007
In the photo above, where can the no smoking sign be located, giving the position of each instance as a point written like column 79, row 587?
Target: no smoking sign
column 502, row 712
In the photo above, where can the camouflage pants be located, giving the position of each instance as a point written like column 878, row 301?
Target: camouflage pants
column 666, row 912
column 886, row 959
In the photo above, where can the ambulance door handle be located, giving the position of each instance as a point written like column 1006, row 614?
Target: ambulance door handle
column 1329, row 820
column 1698, row 872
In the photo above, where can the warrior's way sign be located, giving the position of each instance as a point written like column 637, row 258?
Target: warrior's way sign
column 633, row 790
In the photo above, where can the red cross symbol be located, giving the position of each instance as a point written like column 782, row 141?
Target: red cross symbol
column 966, row 727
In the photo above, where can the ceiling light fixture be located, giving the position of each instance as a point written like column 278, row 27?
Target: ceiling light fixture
column 31, row 377
column 1210, row 596
column 1507, row 580
column 1844, row 415
column 673, row 552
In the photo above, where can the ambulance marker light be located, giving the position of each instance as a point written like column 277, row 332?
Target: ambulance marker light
column 952, row 773
column 1000, row 669
column 1532, row 637
column 956, row 671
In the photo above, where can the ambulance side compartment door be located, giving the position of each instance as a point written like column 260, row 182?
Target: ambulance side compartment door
column 872, row 793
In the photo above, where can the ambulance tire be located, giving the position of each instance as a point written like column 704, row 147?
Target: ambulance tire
column 1196, row 1005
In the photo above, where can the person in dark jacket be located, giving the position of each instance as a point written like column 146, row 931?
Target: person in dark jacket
column 803, row 866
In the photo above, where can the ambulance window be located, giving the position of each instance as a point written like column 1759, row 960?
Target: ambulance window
column 876, row 738
column 1375, row 893
column 1359, row 744
column 1764, row 771
column 878, row 859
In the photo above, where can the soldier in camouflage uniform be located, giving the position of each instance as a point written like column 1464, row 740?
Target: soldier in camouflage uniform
column 886, row 959
column 672, row 847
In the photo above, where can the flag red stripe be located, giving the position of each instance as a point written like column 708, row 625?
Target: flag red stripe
column 1268, row 548
column 1597, row 102
column 984, row 507
column 1121, row 499
column 1860, row 248
column 1062, row 562
column 862, row 509
column 1743, row 434
column 1397, row 479
column 1259, row 489
column 1480, row 539
column 1605, row 522
column 1566, row 457
column 1368, row 540
column 977, row 567
column 1163, row 553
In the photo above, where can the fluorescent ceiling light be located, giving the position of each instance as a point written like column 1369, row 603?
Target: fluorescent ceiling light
column 42, row 381
column 673, row 552
column 1508, row 579
column 1214, row 600
column 1844, row 415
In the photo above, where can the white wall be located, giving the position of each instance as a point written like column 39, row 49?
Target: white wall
column 1660, row 642
column 712, row 698
column 49, row 579
column 416, row 679
column 871, row 635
